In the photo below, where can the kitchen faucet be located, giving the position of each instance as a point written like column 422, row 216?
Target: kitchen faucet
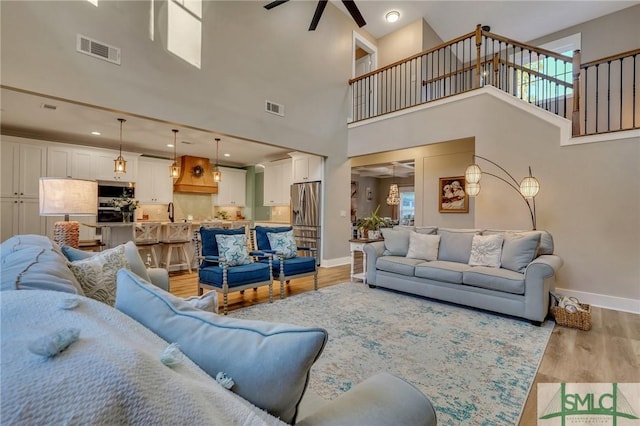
column 171, row 212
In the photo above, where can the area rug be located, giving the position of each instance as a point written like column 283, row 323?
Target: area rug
column 476, row 367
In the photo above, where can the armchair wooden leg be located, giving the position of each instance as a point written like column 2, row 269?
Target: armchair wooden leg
column 224, row 302
column 271, row 292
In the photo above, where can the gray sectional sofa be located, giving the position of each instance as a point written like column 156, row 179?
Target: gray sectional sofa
column 121, row 369
column 510, row 272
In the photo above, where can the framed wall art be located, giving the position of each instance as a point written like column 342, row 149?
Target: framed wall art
column 452, row 196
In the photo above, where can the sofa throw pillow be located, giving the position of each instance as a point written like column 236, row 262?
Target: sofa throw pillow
column 97, row 274
column 519, row 250
column 269, row 362
column 396, row 241
column 455, row 244
column 233, row 249
column 284, row 243
column 486, row 250
column 423, row 246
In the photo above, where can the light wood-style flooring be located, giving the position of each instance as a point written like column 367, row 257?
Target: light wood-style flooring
column 609, row 352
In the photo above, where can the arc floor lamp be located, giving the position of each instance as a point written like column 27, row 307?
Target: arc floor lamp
column 527, row 188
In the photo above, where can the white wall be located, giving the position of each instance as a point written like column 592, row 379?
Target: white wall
column 248, row 55
column 588, row 198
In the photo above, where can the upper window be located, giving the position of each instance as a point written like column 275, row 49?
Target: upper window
column 545, row 81
column 185, row 30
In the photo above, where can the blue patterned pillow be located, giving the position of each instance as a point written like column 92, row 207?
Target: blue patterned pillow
column 283, row 243
column 233, row 249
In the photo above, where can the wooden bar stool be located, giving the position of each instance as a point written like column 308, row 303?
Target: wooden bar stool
column 176, row 235
column 146, row 236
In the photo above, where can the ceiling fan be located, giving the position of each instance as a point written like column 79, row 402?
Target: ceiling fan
column 349, row 4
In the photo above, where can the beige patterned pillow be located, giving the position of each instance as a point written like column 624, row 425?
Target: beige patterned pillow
column 97, row 274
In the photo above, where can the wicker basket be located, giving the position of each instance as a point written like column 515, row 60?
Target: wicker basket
column 579, row 319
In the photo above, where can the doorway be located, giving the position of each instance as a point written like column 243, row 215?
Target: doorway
column 364, row 60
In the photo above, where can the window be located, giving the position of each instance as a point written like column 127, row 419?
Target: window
column 185, row 30
column 544, row 82
column 407, row 205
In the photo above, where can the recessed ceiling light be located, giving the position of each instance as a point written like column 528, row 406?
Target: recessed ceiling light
column 96, row 133
column 227, row 155
column 392, row 16
column 170, row 145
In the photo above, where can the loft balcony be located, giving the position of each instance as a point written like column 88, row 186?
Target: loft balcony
column 597, row 97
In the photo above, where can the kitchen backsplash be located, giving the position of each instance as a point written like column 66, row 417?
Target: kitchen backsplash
column 281, row 213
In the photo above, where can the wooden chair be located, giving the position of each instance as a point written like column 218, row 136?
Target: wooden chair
column 146, row 236
column 176, row 235
column 215, row 273
column 285, row 269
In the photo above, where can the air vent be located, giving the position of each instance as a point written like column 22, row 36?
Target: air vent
column 48, row 106
column 274, row 108
column 98, row 49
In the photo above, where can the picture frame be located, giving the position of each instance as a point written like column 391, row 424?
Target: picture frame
column 452, row 196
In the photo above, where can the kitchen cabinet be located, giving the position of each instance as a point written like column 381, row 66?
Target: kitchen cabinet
column 22, row 166
column 306, row 168
column 103, row 166
column 59, row 160
column 277, row 183
column 154, row 185
column 232, row 188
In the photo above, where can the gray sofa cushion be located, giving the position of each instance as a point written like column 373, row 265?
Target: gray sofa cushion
column 439, row 270
column 269, row 362
column 455, row 244
column 494, row 279
column 396, row 241
column 34, row 262
column 397, row 264
column 546, row 239
column 426, row 229
column 519, row 250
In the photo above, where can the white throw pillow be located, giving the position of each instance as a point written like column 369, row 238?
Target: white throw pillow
column 423, row 246
column 486, row 250
column 97, row 274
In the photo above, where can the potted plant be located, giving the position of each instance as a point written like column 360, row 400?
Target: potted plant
column 126, row 205
column 370, row 225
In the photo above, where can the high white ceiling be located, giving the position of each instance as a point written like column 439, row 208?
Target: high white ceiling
column 23, row 114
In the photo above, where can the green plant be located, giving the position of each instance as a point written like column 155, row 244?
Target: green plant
column 372, row 222
column 124, row 203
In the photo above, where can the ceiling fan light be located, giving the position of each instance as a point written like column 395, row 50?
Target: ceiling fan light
column 473, row 174
column 392, row 16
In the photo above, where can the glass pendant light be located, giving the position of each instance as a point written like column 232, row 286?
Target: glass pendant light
column 174, row 169
column 217, row 175
column 120, row 164
column 393, row 199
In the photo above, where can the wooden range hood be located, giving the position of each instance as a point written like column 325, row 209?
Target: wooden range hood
column 195, row 176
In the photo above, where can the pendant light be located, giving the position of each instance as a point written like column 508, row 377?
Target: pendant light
column 217, row 175
column 120, row 164
column 174, row 169
column 393, row 199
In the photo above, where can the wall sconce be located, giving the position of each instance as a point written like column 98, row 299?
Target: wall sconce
column 64, row 197
column 174, row 169
column 528, row 187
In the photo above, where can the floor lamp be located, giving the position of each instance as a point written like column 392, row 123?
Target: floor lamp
column 64, row 197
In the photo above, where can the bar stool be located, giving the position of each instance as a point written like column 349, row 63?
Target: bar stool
column 177, row 235
column 146, row 236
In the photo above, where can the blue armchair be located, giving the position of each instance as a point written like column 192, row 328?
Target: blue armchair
column 287, row 263
column 225, row 264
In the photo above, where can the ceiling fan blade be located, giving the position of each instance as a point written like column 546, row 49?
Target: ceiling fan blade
column 274, row 4
column 316, row 16
column 355, row 13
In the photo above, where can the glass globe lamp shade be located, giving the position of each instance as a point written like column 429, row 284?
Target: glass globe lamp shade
column 473, row 174
column 472, row 189
column 529, row 187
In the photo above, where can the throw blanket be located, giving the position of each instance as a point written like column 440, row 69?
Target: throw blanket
column 111, row 375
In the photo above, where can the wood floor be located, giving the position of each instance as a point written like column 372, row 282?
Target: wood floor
column 609, row 352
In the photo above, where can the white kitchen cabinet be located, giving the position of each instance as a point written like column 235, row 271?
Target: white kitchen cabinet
column 59, row 160
column 22, row 166
column 277, row 183
column 306, row 168
column 232, row 188
column 154, row 185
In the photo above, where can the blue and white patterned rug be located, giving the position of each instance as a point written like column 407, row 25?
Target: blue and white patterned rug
column 476, row 367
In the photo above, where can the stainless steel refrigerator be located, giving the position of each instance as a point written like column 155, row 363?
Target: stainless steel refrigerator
column 306, row 203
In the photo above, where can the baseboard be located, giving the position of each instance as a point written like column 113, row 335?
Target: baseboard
column 338, row 261
column 603, row 301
